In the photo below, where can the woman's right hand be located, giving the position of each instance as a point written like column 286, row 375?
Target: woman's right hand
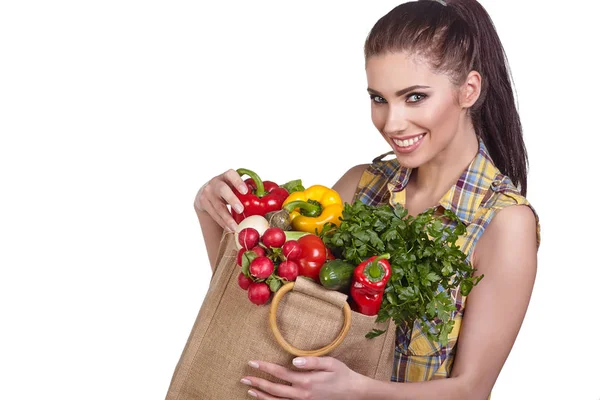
column 216, row 194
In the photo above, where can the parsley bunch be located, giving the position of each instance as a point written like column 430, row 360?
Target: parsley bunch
column 426, row 262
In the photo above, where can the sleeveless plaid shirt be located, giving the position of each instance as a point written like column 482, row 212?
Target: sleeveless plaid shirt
column 475, row 198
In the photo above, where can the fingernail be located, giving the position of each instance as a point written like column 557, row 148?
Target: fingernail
column 238, row 208
column 246, row 381
column 253, row 364
column 298, row 362
column 232, row 227
column 242, row 189
column 252, row 393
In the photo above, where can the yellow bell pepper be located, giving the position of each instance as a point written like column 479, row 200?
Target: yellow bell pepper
column 311, row 209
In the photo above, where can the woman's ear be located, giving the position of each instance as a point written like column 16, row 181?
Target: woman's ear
column 470, row 89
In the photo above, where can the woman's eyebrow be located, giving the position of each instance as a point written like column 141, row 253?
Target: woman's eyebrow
column 399, row 92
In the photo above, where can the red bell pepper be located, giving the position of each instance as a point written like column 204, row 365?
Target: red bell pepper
column 261, row 198
column 314, row 255
column 368, row 285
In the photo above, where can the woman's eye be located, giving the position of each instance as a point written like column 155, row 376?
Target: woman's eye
column 377, row 99
column 415, row 97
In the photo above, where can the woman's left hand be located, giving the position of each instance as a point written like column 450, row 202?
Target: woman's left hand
column 325, row 378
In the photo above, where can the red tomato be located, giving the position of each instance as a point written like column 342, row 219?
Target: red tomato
column 314, row 255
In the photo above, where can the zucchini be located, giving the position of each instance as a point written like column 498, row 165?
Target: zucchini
column 336, row 275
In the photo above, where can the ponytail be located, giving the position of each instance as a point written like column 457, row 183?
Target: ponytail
column 495, row 114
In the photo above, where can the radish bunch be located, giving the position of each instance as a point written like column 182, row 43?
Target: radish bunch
column 267, row 262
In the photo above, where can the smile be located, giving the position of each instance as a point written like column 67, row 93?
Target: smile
column 408, row 142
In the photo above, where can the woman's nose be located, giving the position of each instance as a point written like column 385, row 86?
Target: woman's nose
column 396, row 121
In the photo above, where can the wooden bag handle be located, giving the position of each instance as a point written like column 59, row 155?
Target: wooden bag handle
column 293, row 350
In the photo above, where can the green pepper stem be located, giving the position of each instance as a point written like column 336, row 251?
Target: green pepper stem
column 374, row 271
column 308, row 209
column 260, row 187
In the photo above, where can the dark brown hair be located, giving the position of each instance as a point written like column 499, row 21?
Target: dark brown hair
column 456, row 37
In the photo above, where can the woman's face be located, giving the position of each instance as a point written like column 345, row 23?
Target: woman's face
column 416, row 110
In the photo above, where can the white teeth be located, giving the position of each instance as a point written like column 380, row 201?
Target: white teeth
column 409, row 142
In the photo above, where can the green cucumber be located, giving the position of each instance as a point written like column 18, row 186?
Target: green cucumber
column 336, row 275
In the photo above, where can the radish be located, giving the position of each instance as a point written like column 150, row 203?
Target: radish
column 248, row 238
column 244, row 281
column 259, row 251
column 239, row 256
column 288, row 270
column 273, row 237
column 292, row 250
column 261, row 267
column 254, row 221
column 259, row 293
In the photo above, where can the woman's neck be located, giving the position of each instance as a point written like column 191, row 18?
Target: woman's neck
column 435, row 178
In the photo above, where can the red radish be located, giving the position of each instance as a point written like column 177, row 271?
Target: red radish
column 239, row 256
column 261, row 267
column 273, row 237
column 248, row 238
column 244, row 281
column 259, row 251
column 259, row 293
column 292, row 250
column 288, row 270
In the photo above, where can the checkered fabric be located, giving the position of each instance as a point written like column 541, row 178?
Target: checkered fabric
column 477, row 196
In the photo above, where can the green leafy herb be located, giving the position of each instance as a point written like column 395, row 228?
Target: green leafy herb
column 374, row 333
column 427, row 265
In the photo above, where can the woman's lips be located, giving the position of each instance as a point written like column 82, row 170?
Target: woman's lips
column 408, row 145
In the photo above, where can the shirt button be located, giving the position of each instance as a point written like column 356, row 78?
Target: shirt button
column 496, row 185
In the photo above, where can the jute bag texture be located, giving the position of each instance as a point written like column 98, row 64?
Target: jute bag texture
column 230, row 331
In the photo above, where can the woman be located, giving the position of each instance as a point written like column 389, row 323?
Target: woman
column 442, row 99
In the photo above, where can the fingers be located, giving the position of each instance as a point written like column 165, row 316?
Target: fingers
column 230, row 198
column 268, row 389
column 223, row 213
column 214, row 197
column 315, row 363
column 210, row 209
column 236, row 181
column 278, row 371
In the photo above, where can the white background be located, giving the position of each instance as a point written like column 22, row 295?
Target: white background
column 114, row 113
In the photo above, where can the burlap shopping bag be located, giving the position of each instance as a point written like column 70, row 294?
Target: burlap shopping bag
column 230, row 331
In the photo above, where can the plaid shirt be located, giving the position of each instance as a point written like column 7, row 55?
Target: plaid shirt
column 475, row 198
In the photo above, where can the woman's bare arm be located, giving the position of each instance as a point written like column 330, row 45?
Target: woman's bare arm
column 507, row 255
column 211, row 232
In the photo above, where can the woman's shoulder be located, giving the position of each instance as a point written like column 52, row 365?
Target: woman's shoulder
column 374, row 175
column 347, row 184
column 509, row 211
column 508, row 218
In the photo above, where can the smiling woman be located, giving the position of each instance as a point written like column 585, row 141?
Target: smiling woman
column 114, row 113
column 442, row 99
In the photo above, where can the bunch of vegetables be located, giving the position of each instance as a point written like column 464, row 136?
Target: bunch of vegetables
column 389, row 263
column 270, row 253
column 424, row 261
column 276, row 257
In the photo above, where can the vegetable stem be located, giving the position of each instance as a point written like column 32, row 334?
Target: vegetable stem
column 260, row 187
column 374, row 270
column 306, row 208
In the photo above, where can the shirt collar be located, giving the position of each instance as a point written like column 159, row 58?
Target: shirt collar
column 465, row 196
